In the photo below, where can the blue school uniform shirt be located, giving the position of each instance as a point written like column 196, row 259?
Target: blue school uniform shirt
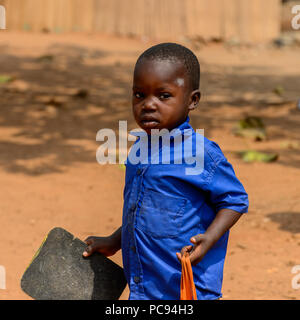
column 164, row 207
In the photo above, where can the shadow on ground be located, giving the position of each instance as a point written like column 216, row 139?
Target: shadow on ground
column 287, row 221
column 59, row 101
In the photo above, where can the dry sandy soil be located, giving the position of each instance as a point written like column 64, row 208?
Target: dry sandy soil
column 50, row 177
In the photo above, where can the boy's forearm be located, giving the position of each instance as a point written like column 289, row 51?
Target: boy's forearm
column 223, row 221
column 117, row 237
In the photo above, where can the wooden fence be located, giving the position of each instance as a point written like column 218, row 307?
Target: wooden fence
column 244, row 20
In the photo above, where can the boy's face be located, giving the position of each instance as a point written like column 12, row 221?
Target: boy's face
column 162, row 97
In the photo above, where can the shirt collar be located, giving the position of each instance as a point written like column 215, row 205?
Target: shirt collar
column 185, row 125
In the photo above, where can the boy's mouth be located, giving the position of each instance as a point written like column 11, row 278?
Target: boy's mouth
column 149, row 122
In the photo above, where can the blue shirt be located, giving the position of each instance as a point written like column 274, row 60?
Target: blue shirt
column 163, row 208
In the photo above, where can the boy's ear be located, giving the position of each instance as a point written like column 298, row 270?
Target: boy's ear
column 194, row 99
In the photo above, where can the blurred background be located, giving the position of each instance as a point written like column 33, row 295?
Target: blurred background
column 65, row 73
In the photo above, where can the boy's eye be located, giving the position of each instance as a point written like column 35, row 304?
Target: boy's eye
column 164, row 95
column 138, row 95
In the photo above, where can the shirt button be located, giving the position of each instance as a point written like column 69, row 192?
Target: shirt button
column 133, row 207
column 133, row 249
column 137, row 279
column 139, row 171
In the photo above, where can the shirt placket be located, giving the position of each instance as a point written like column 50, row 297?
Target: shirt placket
column 136, row 272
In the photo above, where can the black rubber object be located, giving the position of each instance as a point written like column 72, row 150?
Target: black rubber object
column 58, row 271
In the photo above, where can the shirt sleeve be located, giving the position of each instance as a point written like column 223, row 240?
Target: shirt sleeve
column 225, row 190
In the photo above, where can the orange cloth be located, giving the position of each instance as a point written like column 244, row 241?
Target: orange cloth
column 187, row 286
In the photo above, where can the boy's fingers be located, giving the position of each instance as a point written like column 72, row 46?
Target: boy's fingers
column 183, row 251
column 88, row 240
column 196, row 256
column 88, row 251
column 85, row 254
column 193, row 251
column 186, row 249
column 197, row 238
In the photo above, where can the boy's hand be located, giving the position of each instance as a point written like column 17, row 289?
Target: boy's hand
column 223, row 221
column 202, row 244
column 105, row 245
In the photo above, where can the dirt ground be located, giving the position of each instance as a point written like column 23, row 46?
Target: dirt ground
column 50, row 177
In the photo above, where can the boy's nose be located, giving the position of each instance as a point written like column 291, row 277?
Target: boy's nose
column 149, row 104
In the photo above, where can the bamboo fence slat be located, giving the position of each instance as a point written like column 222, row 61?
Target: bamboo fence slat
column 248, row 21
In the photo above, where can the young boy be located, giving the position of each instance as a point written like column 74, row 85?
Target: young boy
column 166, row 209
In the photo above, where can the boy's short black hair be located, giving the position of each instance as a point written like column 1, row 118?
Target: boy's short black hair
column 176, row 52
